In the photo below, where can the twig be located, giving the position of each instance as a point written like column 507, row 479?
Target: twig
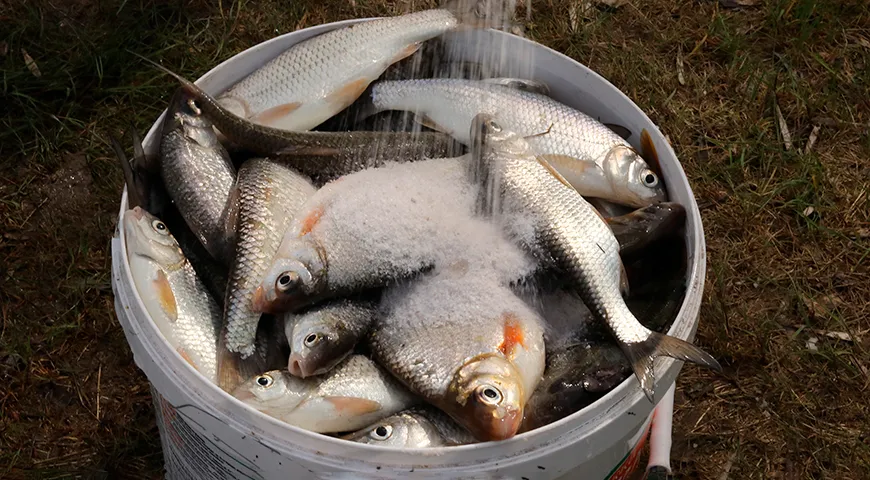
column 99, row 381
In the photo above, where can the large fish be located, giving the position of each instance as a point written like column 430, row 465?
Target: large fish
column 317, row 78
column 418, row 427
column 590, row 156
column 354, row 394
column 198, row 174
column 576, row 238
column 265, row 198
column 326, row 334
column 466, row 344
column 377, row 226
column 173, row 295
column 327, row 154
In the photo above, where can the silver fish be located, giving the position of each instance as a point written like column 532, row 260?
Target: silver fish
column 325, row 335
column 466, row 344
column 198, row 175
column 356, row 393
column 416, row 216
column 419, row 427
column 590, row 156
column 317, row 78
column 577, row 239
column 265, row 198
column 173, row 295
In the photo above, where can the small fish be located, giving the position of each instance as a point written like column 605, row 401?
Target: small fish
column 577, row 375
column 592, row 158
column 198, row 175
column 264, row 199
column 577, row 239
column 467, row 345
column 419, row 427
column 325, row 335
column 356, row 393
column 173, row 295
column 316, row 153
column 416, row 216
column 637, row 230
column 317, row 78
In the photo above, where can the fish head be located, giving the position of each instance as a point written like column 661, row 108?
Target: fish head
column 399, row 431
column 633, row 182
column 186, row 116
column 149, row 237
column 487, row 397
column 295, row 278
column 271, row 392
column 318, row 343
column 497, row 137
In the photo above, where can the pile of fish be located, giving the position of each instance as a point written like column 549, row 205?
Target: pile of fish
column 433, row 281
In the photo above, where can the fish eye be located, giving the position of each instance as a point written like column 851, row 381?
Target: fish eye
column 193, row 107
column 265, row 381
column 312, row 339
column 489, row 395
column 160, row 227
column 383, row 432
column 495, row 127
column 649, row 178
column 286, row 281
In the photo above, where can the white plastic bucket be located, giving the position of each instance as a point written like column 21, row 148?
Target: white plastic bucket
column 207, row 434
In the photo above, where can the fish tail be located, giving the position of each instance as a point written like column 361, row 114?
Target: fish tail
column 642, row 354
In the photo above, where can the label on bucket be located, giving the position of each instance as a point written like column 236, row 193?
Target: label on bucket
column 190, row 453
column 630, row 462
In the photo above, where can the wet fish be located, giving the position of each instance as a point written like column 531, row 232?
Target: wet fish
column 264, row 199
column 354, row 394
column 173, row 295
column 419, row 427
column 576, row 238
column 637, row 230
column 467, row 345
column 316, row 153
column 317, row 78
column 325, row 335
column 198, row 175
column 416, row 216
column 590, row 156
column 577, row 375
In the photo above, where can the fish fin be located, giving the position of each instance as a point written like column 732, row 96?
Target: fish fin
column 348, row 93
column 271, row 116
column 523, row 84
column 181, row 351
column 353, row 406
column 543, row 160
column 642, row 354
column 134, row 196
column 623, row 279
column 310, row 221
column 619, row 130
column 232, row 369
column 406, row 52
column 141, row 160
column 427, row 122
column 513, row 334
column 165, row 296
column 649, row 153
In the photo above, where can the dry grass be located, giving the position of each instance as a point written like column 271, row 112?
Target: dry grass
column 787, row 230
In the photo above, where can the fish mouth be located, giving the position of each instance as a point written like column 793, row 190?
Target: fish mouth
column 244, row 395
column 503, row 424
column 297, row 366
column 138, row 213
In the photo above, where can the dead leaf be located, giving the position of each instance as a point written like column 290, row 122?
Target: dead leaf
column 823, row 306
column 812, row 344
column 814, row 135
column 809, row 211
column 838, row 336
column 862, row 233
column 612, row 3
column 783, row 127
column 31, row 64
column 680, row 75
column 738, row 3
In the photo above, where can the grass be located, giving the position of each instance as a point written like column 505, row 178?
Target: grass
column 778, row 272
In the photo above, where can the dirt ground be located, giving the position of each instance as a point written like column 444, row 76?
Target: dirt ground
column 766, row 105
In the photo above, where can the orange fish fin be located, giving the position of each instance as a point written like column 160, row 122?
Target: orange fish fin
column 542, row 159
column 513, row 334
column 274, row 114
column 348, row 94
column 165, row 296
column 406, row 52
column 181, row 351
column 649, row 152
column 310, row 221
column 353, row 405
